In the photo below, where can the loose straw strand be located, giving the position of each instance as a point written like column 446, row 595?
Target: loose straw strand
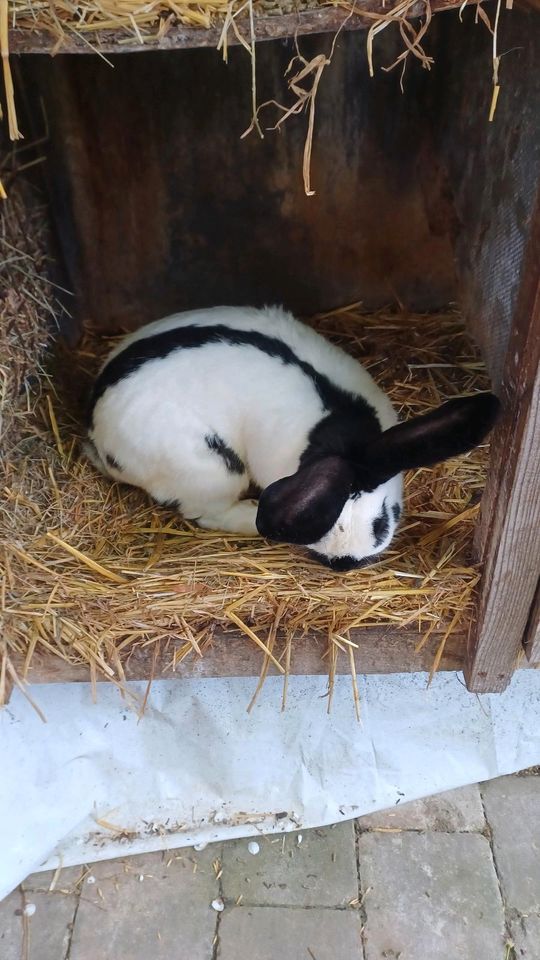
column 13, row 128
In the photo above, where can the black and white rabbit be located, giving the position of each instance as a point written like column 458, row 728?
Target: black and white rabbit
column 200, row 406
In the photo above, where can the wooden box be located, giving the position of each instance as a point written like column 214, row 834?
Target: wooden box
column 159, row 205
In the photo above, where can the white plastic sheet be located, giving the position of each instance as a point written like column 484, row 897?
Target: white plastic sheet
column 96, row 782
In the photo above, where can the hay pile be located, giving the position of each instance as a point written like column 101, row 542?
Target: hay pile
column 93, row 569
column 28, row 310
column 27, row 328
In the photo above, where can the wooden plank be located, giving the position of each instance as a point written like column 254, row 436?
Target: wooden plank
column 234, row 655
column 181, row 37
column 497, row 266
column 510, row 515
column 532, row 633
column 492, row 222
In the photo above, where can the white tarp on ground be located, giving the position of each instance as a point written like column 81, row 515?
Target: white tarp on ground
column 96, row 782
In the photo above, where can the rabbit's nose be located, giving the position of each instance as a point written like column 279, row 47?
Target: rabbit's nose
column 340, row 564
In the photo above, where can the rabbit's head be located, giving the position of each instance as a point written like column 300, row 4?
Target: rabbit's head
column 345, row 507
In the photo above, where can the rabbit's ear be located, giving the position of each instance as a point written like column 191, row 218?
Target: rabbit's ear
column 303, row 507
column 451, row 429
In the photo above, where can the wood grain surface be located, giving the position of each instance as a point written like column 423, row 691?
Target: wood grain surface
column 234, row 655
column 532, row 632
column 510, row 514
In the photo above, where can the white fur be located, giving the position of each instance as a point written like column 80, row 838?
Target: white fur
column 154, row 423
column 352, row 534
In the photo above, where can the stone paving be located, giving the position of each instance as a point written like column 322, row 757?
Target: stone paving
column 453, row 877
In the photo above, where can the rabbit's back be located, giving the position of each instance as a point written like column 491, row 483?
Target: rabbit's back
column 275, row 326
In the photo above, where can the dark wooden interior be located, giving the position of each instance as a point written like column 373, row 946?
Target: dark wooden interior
column 168, row 208
column 159, row 205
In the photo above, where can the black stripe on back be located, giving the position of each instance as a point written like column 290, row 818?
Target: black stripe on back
column 161, row 345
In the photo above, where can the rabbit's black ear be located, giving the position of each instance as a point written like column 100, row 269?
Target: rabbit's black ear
column 303, row 507
column 451, row 429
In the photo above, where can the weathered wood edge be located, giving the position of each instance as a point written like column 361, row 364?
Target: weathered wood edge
column 532, row 633
column 231, row 654
column 509, row 527
column 181, row 37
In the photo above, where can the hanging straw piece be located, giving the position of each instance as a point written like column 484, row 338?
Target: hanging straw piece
column 397, row 15
column 21, row 686
column 14, row 132
column 356, row 695
column 496, row 64
column 305, row 98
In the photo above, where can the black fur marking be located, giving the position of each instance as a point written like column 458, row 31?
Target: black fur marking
column 396, row 510
column 160, row 345
column 230, row 458
column 112, row 462
column 171, row 505
column 381, row 526
column 345, row 432
column 341, row 564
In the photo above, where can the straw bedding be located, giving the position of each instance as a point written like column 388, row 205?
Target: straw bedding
column 93, row 568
